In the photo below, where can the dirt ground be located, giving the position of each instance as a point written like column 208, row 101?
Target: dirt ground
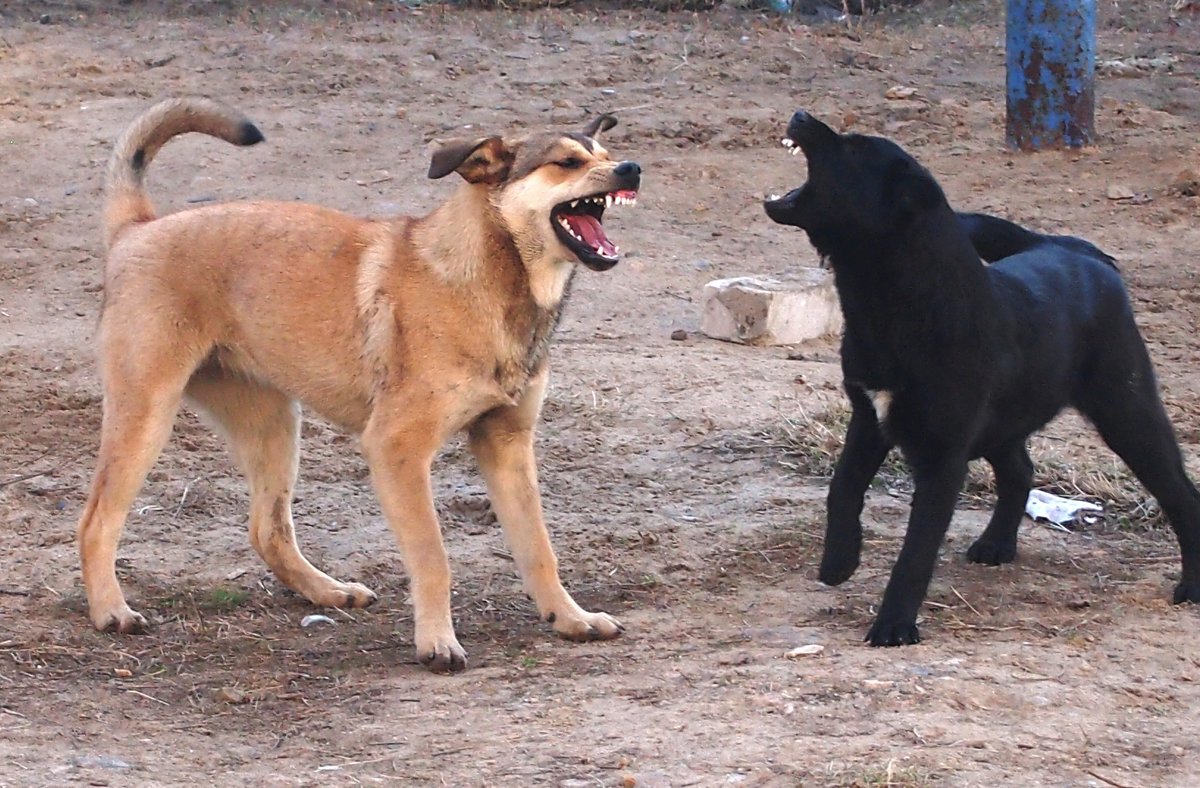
column 677, row 496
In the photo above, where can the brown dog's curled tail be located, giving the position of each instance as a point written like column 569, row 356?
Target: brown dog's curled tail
column 126, row 201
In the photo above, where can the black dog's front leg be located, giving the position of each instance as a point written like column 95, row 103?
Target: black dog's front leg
column 866, row 447
column 937, row 487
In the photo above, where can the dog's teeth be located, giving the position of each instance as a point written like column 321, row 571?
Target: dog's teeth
column 795, row 151
column 608, row 201
column 772, row 197
column 786, row 142
column 574, row 203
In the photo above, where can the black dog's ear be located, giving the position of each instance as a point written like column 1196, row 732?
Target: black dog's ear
column 914, row 192
column 602, row 123
column 480, row 160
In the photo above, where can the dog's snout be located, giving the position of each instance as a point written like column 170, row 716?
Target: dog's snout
column 801, row 117
column 631, row 171
column 799, row 122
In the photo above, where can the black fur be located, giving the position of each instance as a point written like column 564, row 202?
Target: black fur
column 975, row 358
column 995, row 238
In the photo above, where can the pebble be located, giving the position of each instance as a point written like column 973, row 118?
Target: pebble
column 230, row 695
column 100, row 762
column 315, row 618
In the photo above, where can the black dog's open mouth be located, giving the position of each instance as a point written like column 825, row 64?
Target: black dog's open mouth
column 776, row 201
column 577, row 223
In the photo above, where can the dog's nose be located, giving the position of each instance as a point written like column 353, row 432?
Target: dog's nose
column 801, row 117
column 630, row 171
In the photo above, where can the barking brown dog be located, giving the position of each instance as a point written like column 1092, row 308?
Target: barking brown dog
column 405, row 331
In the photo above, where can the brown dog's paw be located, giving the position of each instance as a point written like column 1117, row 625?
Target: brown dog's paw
column 586, row 626
column 347, row 595
column 123, row 620
column 444, row 656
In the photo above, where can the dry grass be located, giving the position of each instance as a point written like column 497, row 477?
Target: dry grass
column 810, row 445
column 890, row 775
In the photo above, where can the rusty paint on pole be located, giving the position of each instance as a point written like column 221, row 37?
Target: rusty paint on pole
column 1051, row 58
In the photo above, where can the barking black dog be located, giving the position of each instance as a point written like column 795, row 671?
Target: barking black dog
column 951, row 360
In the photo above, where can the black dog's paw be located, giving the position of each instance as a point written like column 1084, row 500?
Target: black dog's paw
column 1187, row 592
column 893, row 633
column 837, row 567
column 991, row 553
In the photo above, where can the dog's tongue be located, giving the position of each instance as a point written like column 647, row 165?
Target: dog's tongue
column 589, row 229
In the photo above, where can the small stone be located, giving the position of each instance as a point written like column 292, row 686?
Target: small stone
column 899, row 92
column 811, row 650
column 1119, row 191
column 1186, row 184
column 315, row 618
column 230, row 695
column 679, row 335
column 99, row 762
column 122, row 673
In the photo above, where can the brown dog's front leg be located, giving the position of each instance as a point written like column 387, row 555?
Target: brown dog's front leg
column 502, row 442
column 400, row 456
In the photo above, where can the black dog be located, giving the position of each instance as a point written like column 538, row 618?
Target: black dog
column 951, row 360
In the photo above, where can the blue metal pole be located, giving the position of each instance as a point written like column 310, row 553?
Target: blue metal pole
column 1051, row 74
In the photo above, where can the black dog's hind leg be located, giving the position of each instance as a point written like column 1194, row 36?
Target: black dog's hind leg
column 1120, row 396
column 937, row 487
column 866, row 447
column 1014, row 478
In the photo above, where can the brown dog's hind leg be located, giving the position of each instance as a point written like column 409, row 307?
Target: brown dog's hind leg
column 502, row 442
column 134, row 432
column 262, row 425
column 143, row 386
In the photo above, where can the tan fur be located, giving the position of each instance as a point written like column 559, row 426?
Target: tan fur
column 405, row 331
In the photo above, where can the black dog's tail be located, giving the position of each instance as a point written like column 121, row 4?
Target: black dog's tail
column 995, row 238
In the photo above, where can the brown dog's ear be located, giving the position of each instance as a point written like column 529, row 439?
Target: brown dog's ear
column 602, row 123
column 480, row 160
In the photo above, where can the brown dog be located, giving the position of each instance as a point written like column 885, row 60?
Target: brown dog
column 405, row 331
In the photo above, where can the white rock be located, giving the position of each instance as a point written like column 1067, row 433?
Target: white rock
column 315, row 618
column 762, row 311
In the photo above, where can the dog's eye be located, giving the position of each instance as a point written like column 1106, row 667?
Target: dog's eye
column 573, row 163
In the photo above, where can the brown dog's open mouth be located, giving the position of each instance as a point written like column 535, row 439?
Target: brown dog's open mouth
column 578, row 225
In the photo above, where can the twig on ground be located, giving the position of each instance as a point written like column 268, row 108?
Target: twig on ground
column 965, row 602
column 1104, row 779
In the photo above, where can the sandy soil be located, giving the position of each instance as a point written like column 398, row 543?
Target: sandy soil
column 669, row 467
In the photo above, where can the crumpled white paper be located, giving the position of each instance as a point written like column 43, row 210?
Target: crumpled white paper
column 1055, row 510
